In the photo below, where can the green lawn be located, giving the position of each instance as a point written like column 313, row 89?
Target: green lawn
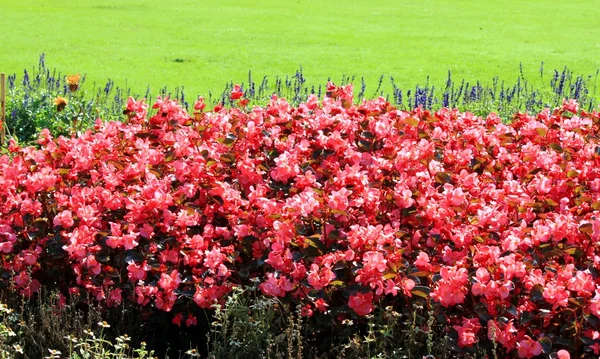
column 202, row 44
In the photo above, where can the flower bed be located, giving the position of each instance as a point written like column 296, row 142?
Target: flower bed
column 342, row 208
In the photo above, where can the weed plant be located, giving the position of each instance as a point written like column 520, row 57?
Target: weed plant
column 247, row 326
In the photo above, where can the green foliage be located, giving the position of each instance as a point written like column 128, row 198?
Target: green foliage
column 32, row 104
column 31, row 101
column 9, row 339
column 248, row 326
column 48, row 325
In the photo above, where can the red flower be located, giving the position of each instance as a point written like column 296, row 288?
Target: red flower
column 199, row 105
column 362, row 303
column 467, row 333
column 528, row 348
column 236, row 93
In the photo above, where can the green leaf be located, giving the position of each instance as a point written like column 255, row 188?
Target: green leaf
column 389, row 275
column 526, row 317
column 586, row 228
column 227, row 140
column 572, row 174
column 546, row 344
column 578, row 301
column 576, row 252
column 443, row 177
column 555, row 252
column 556, row 147
column 536, row 292
column 412, row 121
column 401, row 234
column 534, row 171
column 339, row 212
column 423, row 134
column 216, row 199
column 368, row 135
column 315, row 241
column 228, row 157
column 365, row 146
column 420, row 274
column 541, row 131
column 133, row 256
column 551, row 202
column 421, row 291
column 169, row 156
column 118, row 165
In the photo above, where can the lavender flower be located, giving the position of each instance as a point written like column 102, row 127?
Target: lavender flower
column 42, row 62
column 26, row 79
column 11, row 81
column 446, row 99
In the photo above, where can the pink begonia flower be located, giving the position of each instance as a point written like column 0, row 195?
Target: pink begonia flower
column 236, row 93
column 454, row 196
column 557, row 295
column 422, row 262
column 529, row 348
column 595, row 348
column 319, row 278
column 451, row 289
column 407, row 285
column 403, row 196
column 286, row 169
column 374, row 261
column 338, row 200
column 137, row 272
column 361, row 303
column 563, row 354
column 177, row 319
column 571, row 106
column 22, row 279
column 165, row 301
column 114, row 297
column 304, row 193
column 129, row 241
column 6, row 247
column 64, row 219
column 213, row 258
column 191, row 321
column 321, row 305
column 170, row 282
column 467, row 332
column 276, row 287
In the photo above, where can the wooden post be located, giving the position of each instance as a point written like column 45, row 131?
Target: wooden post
column 2, row 109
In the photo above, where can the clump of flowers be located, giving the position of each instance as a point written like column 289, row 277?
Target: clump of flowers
column 340, row 207
column 73, row 82
column 60, row 103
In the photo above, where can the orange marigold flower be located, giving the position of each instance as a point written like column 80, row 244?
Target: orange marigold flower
column 73, row 82
column 60, row 103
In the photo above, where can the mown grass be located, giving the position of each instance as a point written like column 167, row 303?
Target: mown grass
column 203, row 45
